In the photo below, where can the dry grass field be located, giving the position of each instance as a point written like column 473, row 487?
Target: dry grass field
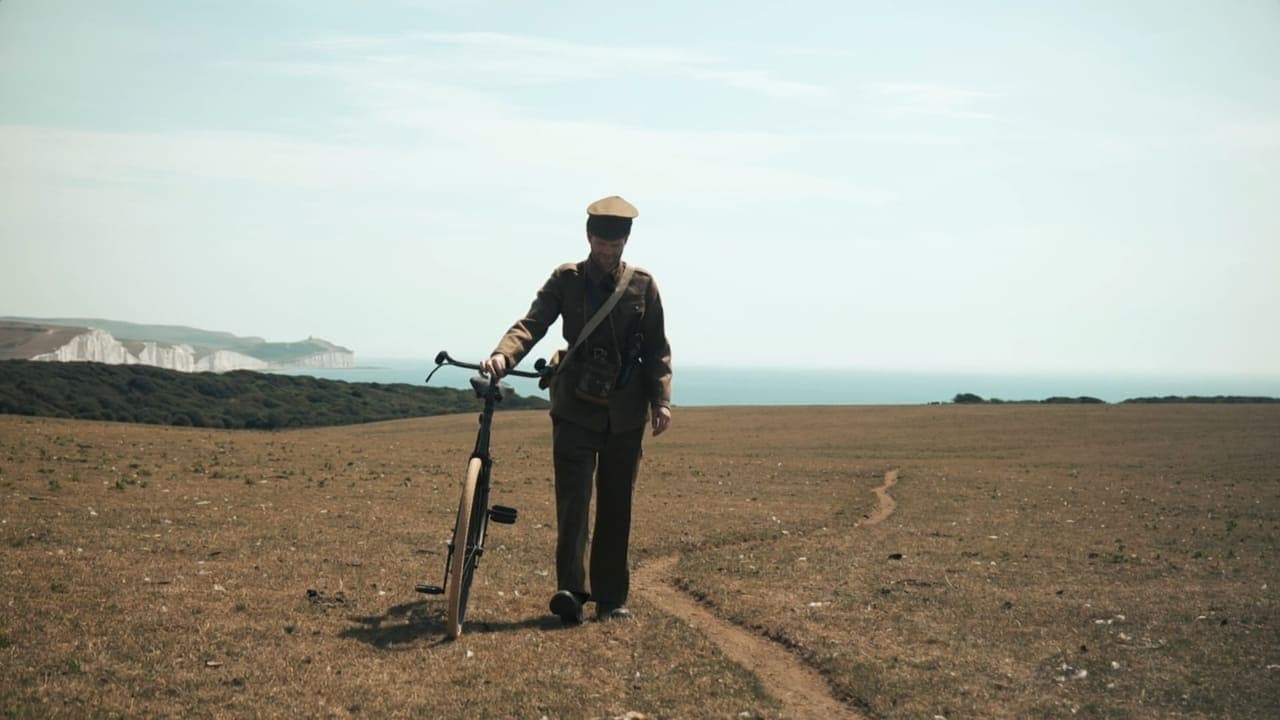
column 1029, row 561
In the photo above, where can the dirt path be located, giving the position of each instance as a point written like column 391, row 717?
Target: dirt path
column 802, row 692
column 886, row 502
column 799, row 688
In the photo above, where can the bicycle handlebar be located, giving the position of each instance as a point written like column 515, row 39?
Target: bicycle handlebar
column 443, row 358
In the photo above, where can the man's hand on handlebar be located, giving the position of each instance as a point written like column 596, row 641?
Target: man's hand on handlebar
column 495, row 365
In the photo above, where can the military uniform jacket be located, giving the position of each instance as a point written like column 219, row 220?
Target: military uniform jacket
column 566, row 295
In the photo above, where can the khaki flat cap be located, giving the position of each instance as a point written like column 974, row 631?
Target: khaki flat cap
column 613, row 205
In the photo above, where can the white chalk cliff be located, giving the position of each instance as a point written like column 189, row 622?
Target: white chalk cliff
column 95, row 345
column 330, row 359
column 174, row 357
column 224, row 360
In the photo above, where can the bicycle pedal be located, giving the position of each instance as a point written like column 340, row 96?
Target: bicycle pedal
column 502, row 514
column 429, row 589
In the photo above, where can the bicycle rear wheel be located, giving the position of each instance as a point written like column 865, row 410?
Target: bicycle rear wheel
column 468, row 536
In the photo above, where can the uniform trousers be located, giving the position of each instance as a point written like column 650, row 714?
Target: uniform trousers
column 612, row 460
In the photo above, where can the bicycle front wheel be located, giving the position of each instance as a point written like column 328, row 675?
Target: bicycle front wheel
column 468, row 534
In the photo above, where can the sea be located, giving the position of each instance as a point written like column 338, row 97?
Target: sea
column 711, row 386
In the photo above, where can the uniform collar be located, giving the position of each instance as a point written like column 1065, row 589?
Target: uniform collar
column 596, row 275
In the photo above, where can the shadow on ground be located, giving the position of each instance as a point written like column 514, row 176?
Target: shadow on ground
column 408, row 623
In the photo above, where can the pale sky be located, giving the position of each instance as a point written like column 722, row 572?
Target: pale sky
column 997, row 186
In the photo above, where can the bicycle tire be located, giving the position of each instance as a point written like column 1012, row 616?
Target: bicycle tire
column 476, row 532
column 462, row 564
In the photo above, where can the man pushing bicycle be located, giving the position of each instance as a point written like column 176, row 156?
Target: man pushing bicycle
column 613, row 379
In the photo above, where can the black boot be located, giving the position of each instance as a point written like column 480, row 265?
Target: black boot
column 568, row 605
column 612, row 611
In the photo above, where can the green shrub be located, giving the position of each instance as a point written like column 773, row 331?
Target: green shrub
column 234, row 400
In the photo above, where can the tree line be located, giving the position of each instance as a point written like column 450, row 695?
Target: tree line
column 238, row 399
column 970, row 398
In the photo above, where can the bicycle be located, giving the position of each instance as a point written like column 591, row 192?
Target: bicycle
column 467, row 543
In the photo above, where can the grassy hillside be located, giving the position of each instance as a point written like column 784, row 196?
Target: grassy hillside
column 172, row 334
column 285, row 352
column 242, row 399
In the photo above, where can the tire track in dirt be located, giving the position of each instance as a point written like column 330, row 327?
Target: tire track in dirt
column 886, row 504
column 801, row 691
